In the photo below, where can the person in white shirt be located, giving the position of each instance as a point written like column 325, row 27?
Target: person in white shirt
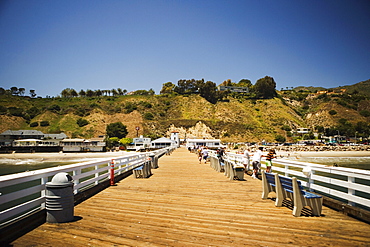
column 256, row 162
column 205, row 154
column 246, row 159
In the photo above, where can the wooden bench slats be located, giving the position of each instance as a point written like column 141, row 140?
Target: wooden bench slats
column 291, row 188
column 143, row 171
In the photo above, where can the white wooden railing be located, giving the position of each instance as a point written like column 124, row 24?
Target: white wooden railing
column 345, row 184
column 24, row 193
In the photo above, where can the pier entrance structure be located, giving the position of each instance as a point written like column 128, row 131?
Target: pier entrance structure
column 185, row 203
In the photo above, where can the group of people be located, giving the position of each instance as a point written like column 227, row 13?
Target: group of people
column 256, row 160
column 203, row 154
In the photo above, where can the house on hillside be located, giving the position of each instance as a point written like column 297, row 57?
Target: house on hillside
column 234, row 89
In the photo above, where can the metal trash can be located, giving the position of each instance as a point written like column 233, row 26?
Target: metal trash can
column 239, row 173
column 60, row 199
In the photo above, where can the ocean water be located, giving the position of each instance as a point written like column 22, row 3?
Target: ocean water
column 350, row 162
column 12, row 166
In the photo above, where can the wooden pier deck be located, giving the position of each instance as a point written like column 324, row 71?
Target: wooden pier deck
column 186, row 203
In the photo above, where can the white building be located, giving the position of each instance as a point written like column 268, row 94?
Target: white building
column 140, row 143
column 303, row 130
column 175, row 138
column 83, row 145
column 210, row 143
column 162, row 143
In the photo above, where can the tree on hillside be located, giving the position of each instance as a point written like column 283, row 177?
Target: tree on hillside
column 265, row 88
column 117, row 129
column 227, row 82
column 32, row 93
column 114, row 92
column 14, row 90
column 74, row 93
column 21, row 91
column 82, row 93
column 98, row 93
column 68, row 92
column 167, row 87
column 244, row 83
column 209, row 91
column 188, row 86
column 90, row 93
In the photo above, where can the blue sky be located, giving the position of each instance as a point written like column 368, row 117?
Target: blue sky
column 50, row 45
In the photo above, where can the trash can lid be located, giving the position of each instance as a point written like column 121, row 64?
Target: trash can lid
column 62, row 178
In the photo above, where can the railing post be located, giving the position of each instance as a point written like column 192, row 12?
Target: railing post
column 312, row 181
column 286, row 170
column 112, row 172
column 44, row 180
column 96, row 174
column 76, row 181
column 351, row 191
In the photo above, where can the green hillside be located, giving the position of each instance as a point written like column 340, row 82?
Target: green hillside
column 235, row 118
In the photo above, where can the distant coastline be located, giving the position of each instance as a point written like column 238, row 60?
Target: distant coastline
column 64, row 157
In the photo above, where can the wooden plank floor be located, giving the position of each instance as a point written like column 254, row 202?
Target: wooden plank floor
column 186, row 203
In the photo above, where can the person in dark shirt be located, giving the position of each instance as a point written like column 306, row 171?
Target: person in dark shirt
column 271, row 155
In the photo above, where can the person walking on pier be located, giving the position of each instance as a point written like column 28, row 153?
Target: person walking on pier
column 246, row 160
column 271, row 155
column 257, row 161
column 205, row 154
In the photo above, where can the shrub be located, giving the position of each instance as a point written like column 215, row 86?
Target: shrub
column 54, row 108
column 15, row 111
column 332, row 112
column 82, row 122
column 280, row 138
column 146, row 104
column 82, row 112
column 33, row 112
column 148, row 116
column 286, row 128
column 130, row 107
column 365, row 113
column 3, row 110
column 34, row 124
column 44, row 123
